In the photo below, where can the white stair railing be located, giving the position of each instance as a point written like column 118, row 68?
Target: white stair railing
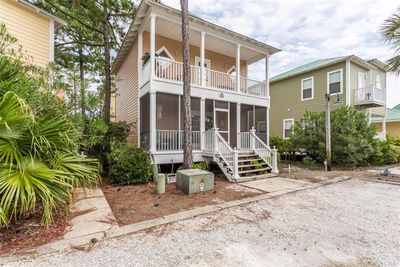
column 270, row 156
column 224, row 154
column 244, row 140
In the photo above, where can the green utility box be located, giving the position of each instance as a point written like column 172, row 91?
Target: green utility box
column 194, row 181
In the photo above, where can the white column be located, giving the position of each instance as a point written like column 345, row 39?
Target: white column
column 238, row 68
column 267, row 76
column 153, row 129
column 238, row 141
column 202, row 54
column 267, row 127
column 152, row 44
column 139, row 67
column 202, row 122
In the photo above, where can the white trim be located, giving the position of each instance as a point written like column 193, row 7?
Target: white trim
column 284, row 121
column 312, row 88
column 166, row 51
column 139, row 77
column 341, row 81
column 231, row 69
column 51, row 41
column 348, row 85
column 365, row 79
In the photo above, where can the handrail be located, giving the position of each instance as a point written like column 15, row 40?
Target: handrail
column 270, row 156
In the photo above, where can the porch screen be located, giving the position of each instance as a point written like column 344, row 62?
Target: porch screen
column 145, row 121
column 167, row 112
column 260, row 122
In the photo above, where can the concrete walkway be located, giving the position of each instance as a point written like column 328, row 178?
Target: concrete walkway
column 276, row 184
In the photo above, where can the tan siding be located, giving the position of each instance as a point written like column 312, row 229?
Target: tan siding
column 31, row 29
column 127, row 93
column 286, row 97
column 218, row 61
column 392, row 128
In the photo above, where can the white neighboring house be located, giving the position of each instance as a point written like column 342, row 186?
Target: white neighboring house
column 230, row 112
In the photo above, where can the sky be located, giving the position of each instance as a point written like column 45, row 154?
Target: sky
column 306, row 30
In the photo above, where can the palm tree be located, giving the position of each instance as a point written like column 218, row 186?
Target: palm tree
column 390, row 32
column 39, row 164
column 187, row 123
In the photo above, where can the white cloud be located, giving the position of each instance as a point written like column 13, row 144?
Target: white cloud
column 306, row 30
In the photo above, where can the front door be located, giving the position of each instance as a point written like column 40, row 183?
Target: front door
column 222, row 122
column 207, row 67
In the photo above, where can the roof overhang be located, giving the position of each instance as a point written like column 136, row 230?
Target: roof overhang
column 57, row 21
column 379, row 64
column 195, row 21
column 351, row 58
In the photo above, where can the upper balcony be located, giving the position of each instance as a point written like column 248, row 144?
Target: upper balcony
column 369, row 97
column 172, row 71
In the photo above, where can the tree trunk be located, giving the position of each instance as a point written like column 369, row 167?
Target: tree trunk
column 187, row 123
column 82, row 82
column 107, row 69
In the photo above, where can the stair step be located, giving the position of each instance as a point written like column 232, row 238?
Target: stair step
column 252, row 165
column 254, row 170
column 252, row 156
column 247, row 160
column 256, row 177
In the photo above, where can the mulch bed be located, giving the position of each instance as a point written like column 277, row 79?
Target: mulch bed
column 27, row 233
column 136, row 203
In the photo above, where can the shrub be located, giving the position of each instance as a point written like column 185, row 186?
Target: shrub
column 353, row 141
column 129, row 165
column 308, row 161
column 387, row 152
column 200, row 166
column 283, row 145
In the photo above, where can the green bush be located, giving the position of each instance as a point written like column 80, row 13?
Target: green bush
column 200, row 166
column 283, row 145
column 308, row 161
column 387, row 152
column 129, row 165
column 353, row 142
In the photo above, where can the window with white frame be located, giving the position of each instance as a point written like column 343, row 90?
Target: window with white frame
column 165, row 57
column 307, row 88
column 378, row 82
column 335, row 83
column 288, row 125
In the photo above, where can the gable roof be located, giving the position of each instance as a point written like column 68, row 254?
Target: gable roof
column 139, row 19
column 397, row 107
column 320, row 64
column 58, row 22
column 391, row 115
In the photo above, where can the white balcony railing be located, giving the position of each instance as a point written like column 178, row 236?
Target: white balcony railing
column 173, row 140
column 370, row 94
column 170, row 70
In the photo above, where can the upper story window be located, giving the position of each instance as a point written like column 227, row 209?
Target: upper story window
column 164, row 53
column 335, row 82
column 232, row 73
column 307, row 88
column 378, row 82
column 288, row 125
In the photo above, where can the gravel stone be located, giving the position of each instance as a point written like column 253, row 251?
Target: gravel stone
column 352, row 223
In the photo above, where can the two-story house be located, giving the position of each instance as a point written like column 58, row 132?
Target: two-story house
column 230, row 112
column 33, row 27
column 349, row 80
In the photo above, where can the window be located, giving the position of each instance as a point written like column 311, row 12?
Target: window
column 335, row 82
column 288, row 125
column 165, row 57
column 378, row 82
column 307, row 88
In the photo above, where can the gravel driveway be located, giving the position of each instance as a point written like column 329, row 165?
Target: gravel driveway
column 353, row 223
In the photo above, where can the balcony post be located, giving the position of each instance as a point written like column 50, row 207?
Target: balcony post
column 266, row 76
column 252, row 138
column 275, row 161
column 202, row 122
column 267, row 127
column 238, row 139
column 152, row 44
column 153, row 129
column 238, row 68
column 202, row 52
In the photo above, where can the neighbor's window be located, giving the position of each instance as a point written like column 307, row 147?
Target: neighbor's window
column 307, row 88
column 335, row 82
column 288, row 128
column 378, row 82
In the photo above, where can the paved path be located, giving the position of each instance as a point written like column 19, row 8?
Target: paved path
column 351, row 223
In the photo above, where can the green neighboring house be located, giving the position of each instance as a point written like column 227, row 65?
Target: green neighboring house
column 392, row 121
column 350, row 80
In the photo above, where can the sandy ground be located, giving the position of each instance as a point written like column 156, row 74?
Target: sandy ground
column 353, row 223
